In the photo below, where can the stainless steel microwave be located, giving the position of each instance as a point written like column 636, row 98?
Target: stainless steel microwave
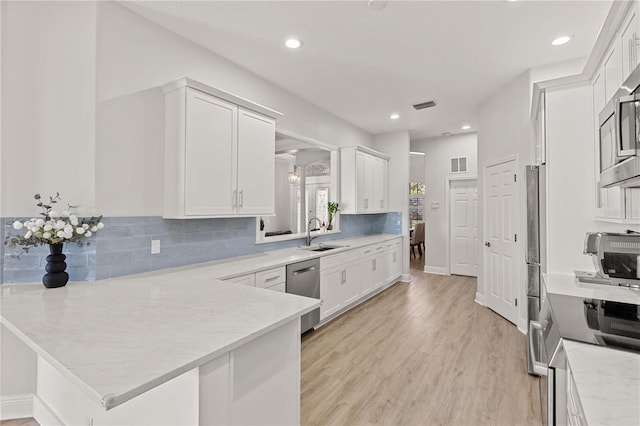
column 619, row 143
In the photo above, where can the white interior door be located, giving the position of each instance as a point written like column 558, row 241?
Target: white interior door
column 465, row 243
column 502, row 266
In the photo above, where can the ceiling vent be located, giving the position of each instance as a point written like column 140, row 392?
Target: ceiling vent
column 424, row 105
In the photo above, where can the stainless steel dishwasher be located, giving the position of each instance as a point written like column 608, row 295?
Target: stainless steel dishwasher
column 303, row 278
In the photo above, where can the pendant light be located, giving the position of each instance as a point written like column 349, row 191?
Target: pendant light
column 293, row 176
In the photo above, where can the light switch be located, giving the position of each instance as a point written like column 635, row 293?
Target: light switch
column 155, row 246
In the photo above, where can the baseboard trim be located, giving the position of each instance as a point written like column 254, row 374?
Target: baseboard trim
column 405, row 278
column 435, row 270
column 17, row 406
column 480, row 299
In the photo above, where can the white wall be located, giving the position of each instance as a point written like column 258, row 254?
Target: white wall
column 282, row 219
column 83, row 113
column 438, row 153
column 48, row 104
column 505, row 130
column 396, row 145
column 136, row 57
column 417, row 172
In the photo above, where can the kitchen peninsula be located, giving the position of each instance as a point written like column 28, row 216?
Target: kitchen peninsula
column 161, row 350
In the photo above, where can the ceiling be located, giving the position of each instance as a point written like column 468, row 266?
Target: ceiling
column 362, row 64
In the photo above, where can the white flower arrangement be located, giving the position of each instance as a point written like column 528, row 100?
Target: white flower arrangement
column 53, row 227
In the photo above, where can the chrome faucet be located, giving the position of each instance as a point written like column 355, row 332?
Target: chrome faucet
column 309, row 238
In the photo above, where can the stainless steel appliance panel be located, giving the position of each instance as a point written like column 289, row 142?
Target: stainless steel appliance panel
column 533, row 217
column 533, row 281
column 535, row 177
column 303, row 278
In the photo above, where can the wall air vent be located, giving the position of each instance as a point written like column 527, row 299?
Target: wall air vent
column 424, row 105
column 459, row 165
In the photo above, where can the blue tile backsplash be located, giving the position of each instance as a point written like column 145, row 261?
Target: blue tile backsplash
column 123, row 247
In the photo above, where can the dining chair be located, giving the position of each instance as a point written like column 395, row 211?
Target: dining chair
column 417, row 239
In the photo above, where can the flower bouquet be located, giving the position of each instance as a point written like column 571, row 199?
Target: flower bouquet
column 53, row 228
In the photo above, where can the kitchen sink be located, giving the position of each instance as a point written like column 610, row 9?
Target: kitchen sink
column 323, row 248
column 320, row 248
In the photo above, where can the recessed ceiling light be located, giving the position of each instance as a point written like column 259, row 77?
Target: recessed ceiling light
column 394, row 116
column 377, row 4
column 561, row 40
column 446, row 134
column 293, row 43
column 466, row 127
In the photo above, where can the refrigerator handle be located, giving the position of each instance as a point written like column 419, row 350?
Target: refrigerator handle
column 539, row 368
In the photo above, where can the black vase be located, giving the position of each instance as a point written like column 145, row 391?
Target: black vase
column 56, row 266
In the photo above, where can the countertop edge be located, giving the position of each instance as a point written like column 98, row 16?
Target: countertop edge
column 88, row 390
column 114, row 401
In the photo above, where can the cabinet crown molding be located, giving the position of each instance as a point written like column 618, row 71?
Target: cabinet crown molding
column 366, row 150
column 219, row 93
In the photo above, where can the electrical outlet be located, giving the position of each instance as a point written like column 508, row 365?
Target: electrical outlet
column 155, row 246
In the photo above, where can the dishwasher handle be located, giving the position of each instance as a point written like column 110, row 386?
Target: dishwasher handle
column 302, row 271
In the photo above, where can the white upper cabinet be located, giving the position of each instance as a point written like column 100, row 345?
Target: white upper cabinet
column 363, row 181
column 612, row 72
column 629, row 42
column 256, row 163
column 210, row 126
column 219, row 153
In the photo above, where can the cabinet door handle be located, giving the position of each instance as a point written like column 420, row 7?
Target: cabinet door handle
column 344, row 276
column 630, row 48
column 271, row 278
column 366, row 203
column 241, row 198
column 375, row 265
column 394, row 257
column 381, row 204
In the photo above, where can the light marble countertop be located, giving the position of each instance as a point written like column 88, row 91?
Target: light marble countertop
column 118, row 338
column 607, row 382
column 233, row 267
column 565, row 284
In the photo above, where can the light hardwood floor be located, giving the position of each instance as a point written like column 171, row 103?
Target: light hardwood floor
column 420, row 353
column 19, row 422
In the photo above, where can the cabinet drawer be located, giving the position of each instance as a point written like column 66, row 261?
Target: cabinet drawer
column 271, row 277
column 278, row 287
column 249, row 280
column 328, row 262
column 371, row 250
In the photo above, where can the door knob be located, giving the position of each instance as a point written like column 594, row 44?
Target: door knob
column 487, row 243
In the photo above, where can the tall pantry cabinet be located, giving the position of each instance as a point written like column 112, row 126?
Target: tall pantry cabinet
column 219, row 153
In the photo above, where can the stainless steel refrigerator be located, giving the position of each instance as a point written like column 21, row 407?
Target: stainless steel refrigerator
column 536, row 263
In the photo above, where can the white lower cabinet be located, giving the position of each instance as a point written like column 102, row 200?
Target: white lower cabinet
column 371, row 268
column 339, row 282
column 271, row 279
column 352, row 276
column 575, row 413
column 393, row 259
